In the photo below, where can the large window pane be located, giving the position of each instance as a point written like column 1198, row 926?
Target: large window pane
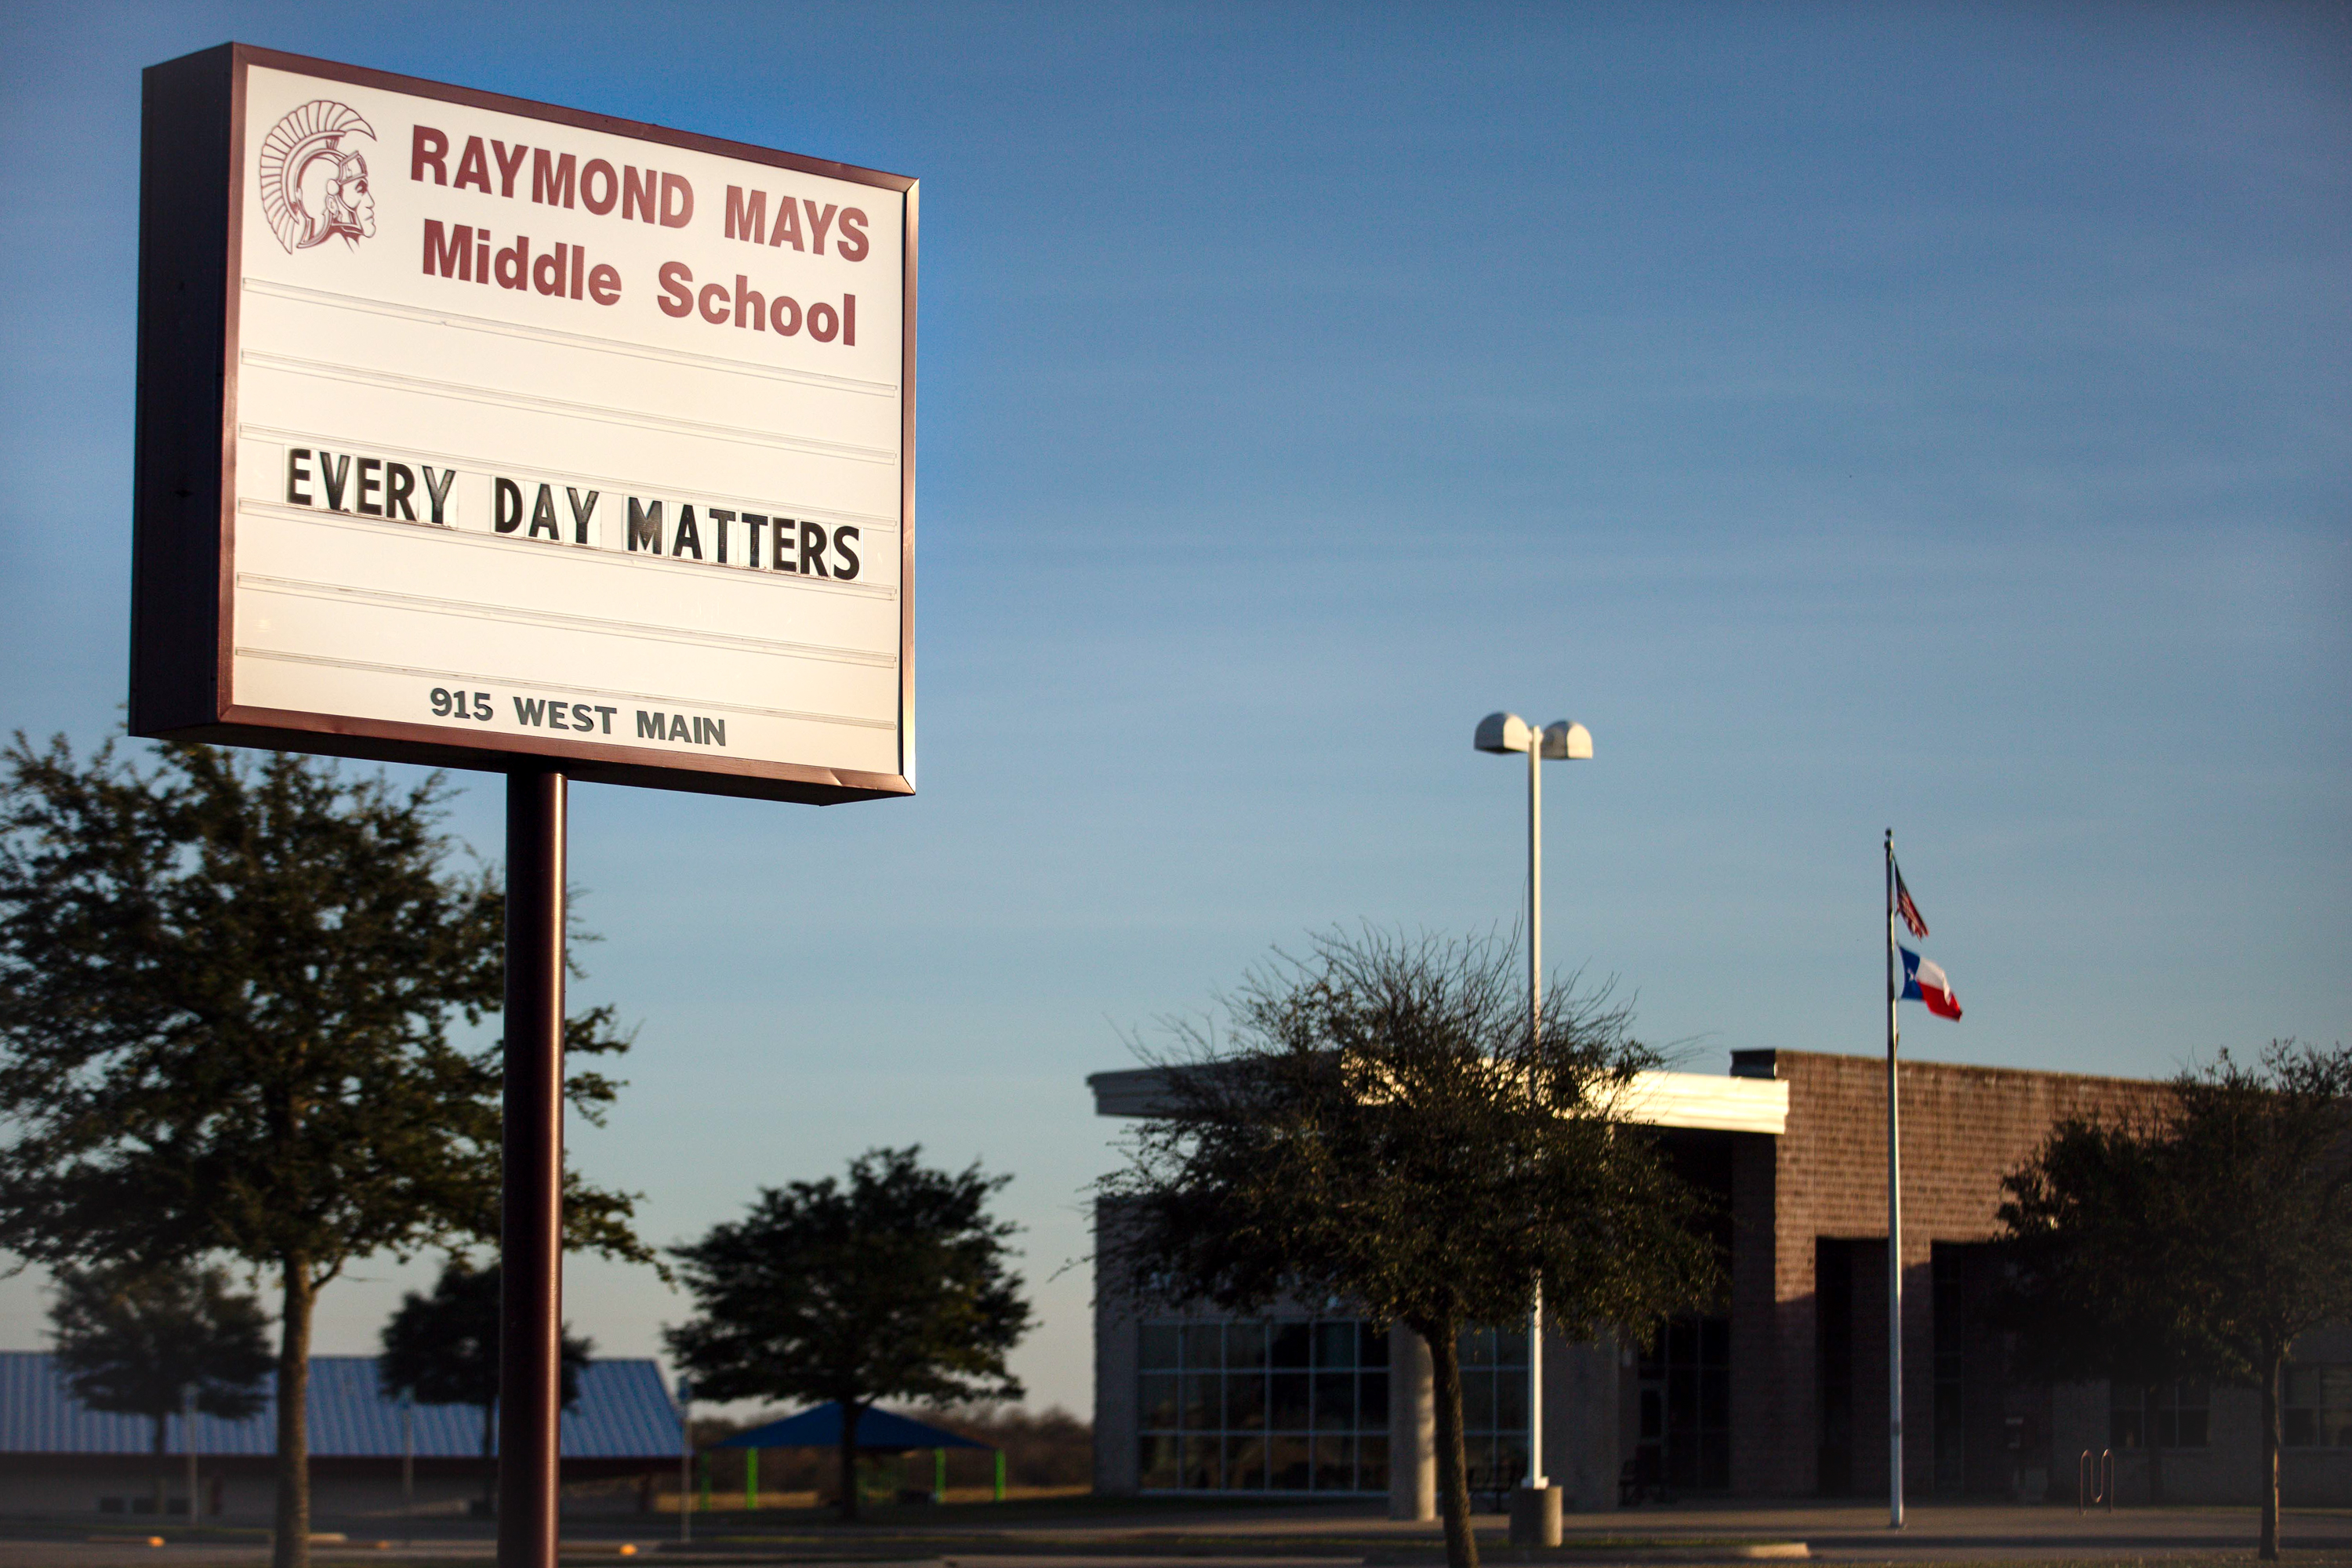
column 1511, row 1399
column 1156, row 1463
column 1477, row 1347
column 1511, row 1347
column 1203, row 1464
column 1477, row 1401
column 1162, row 1399
column 1335, row 1465
column 1478, row 1456
column 1335, row 1401
column 1205, row 1401
column 1245, row 1464
column 1510, row 1461
column 1372, row 1401
column 1681, row 1395
column 1289, row 1411
column 1245, row 1401
column 1287, row 1466
column 1714, row 1397
column 1715, row 1460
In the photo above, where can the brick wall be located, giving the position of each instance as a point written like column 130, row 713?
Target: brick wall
column 1964, row 1129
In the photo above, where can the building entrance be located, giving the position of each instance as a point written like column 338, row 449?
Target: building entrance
column 1685, row 1440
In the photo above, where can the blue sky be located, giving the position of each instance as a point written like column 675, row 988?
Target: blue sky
column 1925, row 416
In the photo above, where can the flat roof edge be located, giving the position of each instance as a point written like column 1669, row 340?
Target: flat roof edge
column 1703, row 1101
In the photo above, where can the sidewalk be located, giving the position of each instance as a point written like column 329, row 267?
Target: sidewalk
column 1108, row 1534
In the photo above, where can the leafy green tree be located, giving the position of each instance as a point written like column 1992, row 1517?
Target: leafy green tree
column 2208, row 1238
column 1377, row 1121
column 2091, row 1227
column 891, row 1286
column 227, row 987
column 133, row 1341
column 442, row 1348
column 2260, row 1161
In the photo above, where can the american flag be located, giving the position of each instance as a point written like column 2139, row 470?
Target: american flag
column 1906, row 908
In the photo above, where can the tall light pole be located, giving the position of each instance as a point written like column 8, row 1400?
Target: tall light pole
column 685, row 1459
column 1562, row 742
column 188, row 1441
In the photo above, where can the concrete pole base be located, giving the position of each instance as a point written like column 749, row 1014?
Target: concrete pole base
column 1535, row 1516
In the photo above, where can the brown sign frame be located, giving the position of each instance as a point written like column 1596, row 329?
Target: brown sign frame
column 191, row 210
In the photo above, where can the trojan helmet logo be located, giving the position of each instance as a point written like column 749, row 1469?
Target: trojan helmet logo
column 313, row 188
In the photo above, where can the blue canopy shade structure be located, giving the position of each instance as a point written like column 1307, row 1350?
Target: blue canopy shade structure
column 877, row 1430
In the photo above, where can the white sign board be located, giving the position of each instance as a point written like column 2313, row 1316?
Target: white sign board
column 535, row 434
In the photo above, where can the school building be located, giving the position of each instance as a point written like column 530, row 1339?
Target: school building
column 1783, row 1394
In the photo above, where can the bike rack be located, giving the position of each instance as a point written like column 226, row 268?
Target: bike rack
column 2094, row 1481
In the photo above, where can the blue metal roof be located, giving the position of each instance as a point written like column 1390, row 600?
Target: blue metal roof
column 819, row 1427
column 623, row 1412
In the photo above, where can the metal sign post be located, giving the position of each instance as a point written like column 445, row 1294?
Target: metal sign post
column 531, row 1255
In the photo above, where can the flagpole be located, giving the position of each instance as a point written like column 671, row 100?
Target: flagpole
column 1894, row 1217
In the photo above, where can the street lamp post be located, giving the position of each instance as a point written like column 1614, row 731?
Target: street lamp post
column 684, row 1459
column 1537, row 1520
column 188, row 1441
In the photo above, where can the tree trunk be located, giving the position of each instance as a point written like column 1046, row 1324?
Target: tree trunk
column 850, row 1410
column 160, row 1419
column 1444, row 1343
column 290, row 1546
column 490, row 1460
column 2153, row 1431
column 2273, row 1363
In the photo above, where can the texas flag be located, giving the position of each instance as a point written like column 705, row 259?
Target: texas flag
column 1924, row 982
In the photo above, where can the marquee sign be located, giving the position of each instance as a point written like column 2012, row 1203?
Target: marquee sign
column 473, row 430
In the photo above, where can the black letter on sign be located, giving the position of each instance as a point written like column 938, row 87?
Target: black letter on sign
column 687, row 537
column 581, row 512
column 439, row 492
column 334, row 475
column 645, row 526
column 507, row 514
column 296, row 476
column 813, row 550
column 399, row 484
column 542, row 516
